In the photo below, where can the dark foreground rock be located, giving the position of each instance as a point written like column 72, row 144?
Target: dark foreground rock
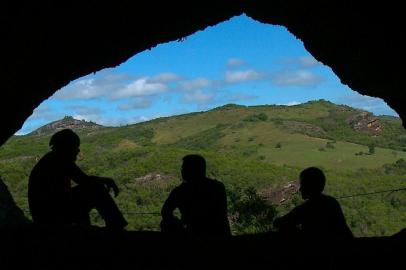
column 34, row 247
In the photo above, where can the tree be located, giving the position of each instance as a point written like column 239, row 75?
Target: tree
column 249, row 212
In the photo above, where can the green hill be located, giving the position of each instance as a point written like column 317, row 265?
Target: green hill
column 263, row 147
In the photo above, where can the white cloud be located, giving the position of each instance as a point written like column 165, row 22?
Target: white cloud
column 42, row 112
column 296, row 78
column 234, row 62
column 106, row 84
column 290, row 103
column 84, row 110
column 307, row 61
column 140, row 87
column 304, row 62
column 165, row 77
column 94, row 86
column 242, row 76
column 123, row 120
column 195, row 84
column 372, row 104
column 138, row 103
column 198, row 97
column 239, row 97
column 82, row 89
column 88, row 118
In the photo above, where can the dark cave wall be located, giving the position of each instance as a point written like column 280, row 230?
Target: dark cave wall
column 46, row 45
column 363, row 44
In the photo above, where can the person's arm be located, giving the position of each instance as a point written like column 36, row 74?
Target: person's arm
column 169, row 206
column 79, row 177
column 342, row 228
column 224, row 211
column 291, row 219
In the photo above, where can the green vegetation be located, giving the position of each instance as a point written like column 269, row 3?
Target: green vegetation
column 256, row 117
column 249, row 149
column 249, row 212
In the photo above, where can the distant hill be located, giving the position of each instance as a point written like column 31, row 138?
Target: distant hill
column 335, row 136
column 66, row 122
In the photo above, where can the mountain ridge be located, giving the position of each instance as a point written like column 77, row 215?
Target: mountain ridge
column 319, row 119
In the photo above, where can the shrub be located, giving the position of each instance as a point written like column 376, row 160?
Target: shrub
column 256, row 117
column 330, row 145
column 371, row 149
column 249, row 212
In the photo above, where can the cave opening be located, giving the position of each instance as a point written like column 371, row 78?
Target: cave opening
column 235, row 67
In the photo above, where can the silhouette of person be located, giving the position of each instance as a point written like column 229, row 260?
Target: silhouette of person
column 53, row 200
column 320, row 216
column 202, row 203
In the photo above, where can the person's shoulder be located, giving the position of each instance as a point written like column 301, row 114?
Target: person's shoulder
column 330, row 200
column 215, row 183
column 180, row 188
column 48, row 156
column 44, row 160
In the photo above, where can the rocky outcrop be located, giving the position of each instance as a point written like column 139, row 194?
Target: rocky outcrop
column 154, row 180
column 47, row 44
column 282, row 194
column 67, row 122
column 365, row 122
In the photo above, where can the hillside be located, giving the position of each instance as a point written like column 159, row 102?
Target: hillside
column 259, row 147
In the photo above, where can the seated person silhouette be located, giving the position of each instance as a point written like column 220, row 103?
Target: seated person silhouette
column 52, row 199
column 202, row 203
column 320, row 216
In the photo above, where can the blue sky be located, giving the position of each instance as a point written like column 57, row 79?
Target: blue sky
column 238, row 61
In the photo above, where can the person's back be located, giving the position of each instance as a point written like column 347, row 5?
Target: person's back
column 49, row 188
column 320, row 216
column 202, row 206
column 201, row 201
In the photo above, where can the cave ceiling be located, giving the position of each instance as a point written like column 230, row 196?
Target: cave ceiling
column 46, row 44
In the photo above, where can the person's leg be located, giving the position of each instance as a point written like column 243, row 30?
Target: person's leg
column 172, row 226
column 81, row 205
column 97, row 196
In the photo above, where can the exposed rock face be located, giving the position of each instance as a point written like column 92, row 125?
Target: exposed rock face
column 365, row 122
column 282, row 194
column 155, row 180
column 45, row 45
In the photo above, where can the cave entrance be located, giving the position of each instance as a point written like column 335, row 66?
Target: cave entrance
column 248, row 97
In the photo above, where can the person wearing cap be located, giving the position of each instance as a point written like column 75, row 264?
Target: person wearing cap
column 320, row 217
column 52, row 198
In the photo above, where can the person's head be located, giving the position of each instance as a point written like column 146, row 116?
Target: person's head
column 65, row 142
column 312, row 182
column 193, row 168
